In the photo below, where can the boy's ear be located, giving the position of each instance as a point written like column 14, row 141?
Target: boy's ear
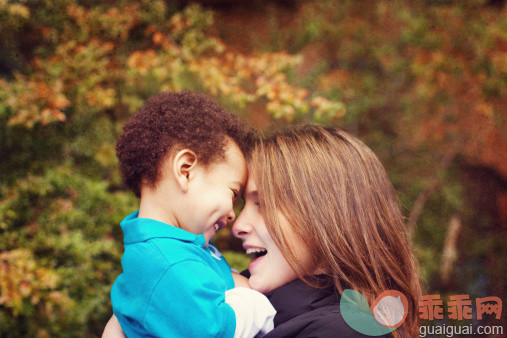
column 184, row 163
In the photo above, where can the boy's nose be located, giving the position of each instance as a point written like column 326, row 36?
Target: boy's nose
column 231, row 216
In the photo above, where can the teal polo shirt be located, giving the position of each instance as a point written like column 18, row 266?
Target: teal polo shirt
column 172, row 285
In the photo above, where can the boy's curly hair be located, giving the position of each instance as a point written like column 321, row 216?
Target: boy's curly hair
column 169, row 120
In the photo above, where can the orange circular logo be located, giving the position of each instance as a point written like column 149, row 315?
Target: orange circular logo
column 390, row 308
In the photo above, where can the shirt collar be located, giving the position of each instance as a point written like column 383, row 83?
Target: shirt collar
column 137, row 229
column 297, row 297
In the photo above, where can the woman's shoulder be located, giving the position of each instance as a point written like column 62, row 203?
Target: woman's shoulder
column 323, row 322
column 306, row 311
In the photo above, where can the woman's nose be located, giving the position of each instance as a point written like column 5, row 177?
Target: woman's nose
column 241, row 227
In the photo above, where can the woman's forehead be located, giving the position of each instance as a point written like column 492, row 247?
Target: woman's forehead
column 251, row 187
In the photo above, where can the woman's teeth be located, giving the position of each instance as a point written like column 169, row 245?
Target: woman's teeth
column 251, row 250
column 256, row 252
column 217, row 226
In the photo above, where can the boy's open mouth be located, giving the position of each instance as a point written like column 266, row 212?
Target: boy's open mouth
column 256, row 252
column 219, row 225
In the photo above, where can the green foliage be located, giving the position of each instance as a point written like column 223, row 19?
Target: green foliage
column 67, row 225
column 237, row 260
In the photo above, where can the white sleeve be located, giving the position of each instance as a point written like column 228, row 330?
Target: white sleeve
column 254, row 312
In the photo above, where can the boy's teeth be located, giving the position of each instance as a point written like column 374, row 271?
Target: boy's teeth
column 252, row 250
column 219, row 225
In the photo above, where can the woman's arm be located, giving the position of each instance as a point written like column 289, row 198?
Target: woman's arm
column 113, row 329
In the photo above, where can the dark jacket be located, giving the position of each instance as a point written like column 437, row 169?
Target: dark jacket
column 305, row 311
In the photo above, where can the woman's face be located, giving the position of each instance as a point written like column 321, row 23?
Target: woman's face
column 269, row 269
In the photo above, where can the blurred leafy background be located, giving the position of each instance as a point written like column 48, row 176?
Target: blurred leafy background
column 423, row 83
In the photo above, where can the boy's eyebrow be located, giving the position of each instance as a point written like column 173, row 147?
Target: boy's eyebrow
column 239, row 185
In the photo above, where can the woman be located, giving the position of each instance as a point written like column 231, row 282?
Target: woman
column 321, row 216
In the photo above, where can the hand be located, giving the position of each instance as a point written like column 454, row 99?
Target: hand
column 240, row 281
column 113, row 329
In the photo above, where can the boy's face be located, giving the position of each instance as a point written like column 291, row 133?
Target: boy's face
column 212, row 192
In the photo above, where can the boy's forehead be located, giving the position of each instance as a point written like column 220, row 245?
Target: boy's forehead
column 236, row 164
column 234, row 154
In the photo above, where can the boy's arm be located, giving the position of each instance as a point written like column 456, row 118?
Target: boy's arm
column 239, row 280
column 190, row 300
column 254, row 312
column 113, row 329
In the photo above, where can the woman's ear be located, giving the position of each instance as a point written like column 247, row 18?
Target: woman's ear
column 183, row 166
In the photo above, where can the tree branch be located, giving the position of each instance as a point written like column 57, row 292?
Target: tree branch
column 433, row 186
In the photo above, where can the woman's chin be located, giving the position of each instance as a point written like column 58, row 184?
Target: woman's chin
column 258, row 284
column 253, row 264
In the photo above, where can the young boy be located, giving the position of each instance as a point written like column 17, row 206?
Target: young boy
column 182, row 154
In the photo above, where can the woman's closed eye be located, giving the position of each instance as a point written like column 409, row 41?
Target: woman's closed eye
column 253, row 201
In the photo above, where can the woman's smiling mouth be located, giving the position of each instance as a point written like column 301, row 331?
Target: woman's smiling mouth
column 256, row 252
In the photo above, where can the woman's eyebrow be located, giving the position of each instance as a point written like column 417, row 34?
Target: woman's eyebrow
column 251, row 194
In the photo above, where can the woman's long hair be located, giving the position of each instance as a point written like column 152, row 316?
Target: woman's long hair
column 337, row 198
